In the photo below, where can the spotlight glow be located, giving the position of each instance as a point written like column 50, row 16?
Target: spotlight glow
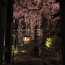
column 49, row 42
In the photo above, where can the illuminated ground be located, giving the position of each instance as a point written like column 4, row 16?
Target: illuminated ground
column 30, row 60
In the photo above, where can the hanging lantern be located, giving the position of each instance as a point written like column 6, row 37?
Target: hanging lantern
column 26, row 40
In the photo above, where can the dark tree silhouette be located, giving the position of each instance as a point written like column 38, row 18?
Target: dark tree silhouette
column 44, row 28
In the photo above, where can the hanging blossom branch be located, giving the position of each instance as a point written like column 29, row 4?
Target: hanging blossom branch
column 32, row 9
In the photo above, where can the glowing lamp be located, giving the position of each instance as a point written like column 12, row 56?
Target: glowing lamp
column 48, row 42
column 26, row 40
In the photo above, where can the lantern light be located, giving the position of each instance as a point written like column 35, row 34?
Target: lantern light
column 26, row 40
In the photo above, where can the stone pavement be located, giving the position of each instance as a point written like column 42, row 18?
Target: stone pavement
column 25, row 60
column 34, row 61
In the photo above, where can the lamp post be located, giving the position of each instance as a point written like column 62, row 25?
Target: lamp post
column 26, row 41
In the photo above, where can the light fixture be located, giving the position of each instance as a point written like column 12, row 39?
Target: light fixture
column 26, row 40
column 48, row 42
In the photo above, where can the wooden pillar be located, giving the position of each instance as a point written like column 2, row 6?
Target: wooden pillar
column 63, row 30
column 62, row 19
column 8, row 38
column 2, row 27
